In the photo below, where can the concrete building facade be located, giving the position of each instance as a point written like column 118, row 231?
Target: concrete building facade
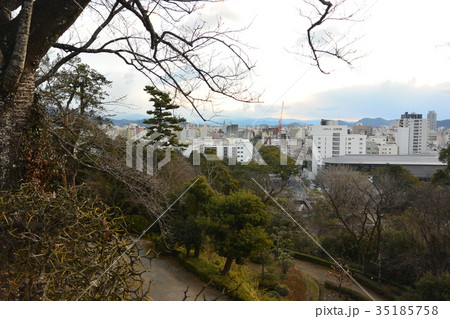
column 432, row 121
column 233, row 149
column 418, row 132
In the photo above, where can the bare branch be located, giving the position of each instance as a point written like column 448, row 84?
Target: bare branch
column 189, row 61
column 328, row 44
column 114, row 11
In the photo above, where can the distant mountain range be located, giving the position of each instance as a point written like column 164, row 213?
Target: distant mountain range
column 270, row 121
column 444, row 123
column 370, row 122
column 125, row 122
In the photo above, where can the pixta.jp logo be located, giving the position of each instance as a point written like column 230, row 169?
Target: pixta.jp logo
column 141, row 150
column 150, row 144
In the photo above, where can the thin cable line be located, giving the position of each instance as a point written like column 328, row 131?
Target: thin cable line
column 131, row 246
column 314, row 240
column 76, row 2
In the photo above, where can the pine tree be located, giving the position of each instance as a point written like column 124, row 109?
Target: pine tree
column 163, row 121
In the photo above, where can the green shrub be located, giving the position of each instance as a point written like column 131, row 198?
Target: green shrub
column 274, row 295
column 391, row 293
column 347, row 292
column 431, row 287
column 283, row 290
column 313, row 259
column 374, row 286
column 341, row 246
column 239, row 282
column 269, row 282
column 136, row 223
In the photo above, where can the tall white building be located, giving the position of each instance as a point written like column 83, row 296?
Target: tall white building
column 401, row 136
column 432, row 120
column 334, row 140
column 418, row 132
column 329, row 139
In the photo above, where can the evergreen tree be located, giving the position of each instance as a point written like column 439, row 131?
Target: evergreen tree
column 163, row 121
column 442, row 176
column 237, row 227
column 75, row 93
column 191, row 218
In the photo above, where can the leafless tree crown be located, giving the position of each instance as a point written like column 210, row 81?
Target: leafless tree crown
column 322, row 41
column 168, row 43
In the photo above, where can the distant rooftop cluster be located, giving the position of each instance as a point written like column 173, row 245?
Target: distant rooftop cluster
column 411, row 141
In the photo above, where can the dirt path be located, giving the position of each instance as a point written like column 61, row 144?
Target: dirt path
column 320, row 274
column 169, row 280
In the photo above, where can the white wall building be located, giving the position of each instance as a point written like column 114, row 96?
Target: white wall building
column 418, row 132
column 234, row 149
column 329, row 139
column 188, row 133
column 388, row 149
column 134, row 130
column 401, row 136
column 379, row 140
column 355, row 144
column 203, row 131
column 334, row 140
column 297, row 132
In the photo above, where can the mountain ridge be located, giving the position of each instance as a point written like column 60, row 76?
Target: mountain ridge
column 270, row 121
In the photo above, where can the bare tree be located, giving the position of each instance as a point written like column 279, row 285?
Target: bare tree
column 345, row 192
column 342, row 276
column 181, row 53
column 161, row 39
column 323, row 43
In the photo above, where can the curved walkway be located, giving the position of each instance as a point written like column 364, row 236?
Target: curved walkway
column 320, row 274
column 169, row 280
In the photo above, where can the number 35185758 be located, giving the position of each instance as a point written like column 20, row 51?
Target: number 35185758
column 407, row 310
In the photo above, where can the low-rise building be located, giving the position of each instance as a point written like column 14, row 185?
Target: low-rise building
column 233, row 149
column 421, row 166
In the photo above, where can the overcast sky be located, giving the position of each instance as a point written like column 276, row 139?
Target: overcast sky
column 405, row 65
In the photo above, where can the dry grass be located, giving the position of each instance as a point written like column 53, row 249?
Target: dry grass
column 301, row 286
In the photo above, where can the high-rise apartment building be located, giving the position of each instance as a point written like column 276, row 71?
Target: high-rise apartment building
column 417, row 133
column 413, row 115
column 432, row 121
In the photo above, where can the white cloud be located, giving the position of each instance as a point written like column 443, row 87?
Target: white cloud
column 406, row 67
column 387, row 99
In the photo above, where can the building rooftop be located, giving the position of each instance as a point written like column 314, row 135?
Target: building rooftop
column 430, row 160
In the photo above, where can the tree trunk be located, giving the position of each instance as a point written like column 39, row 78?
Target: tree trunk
column 24, row 41
column 14, row 107
column 197, row 251
column 364, row 263
column 379, row 247
column 227, row 267
column 262, row 266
